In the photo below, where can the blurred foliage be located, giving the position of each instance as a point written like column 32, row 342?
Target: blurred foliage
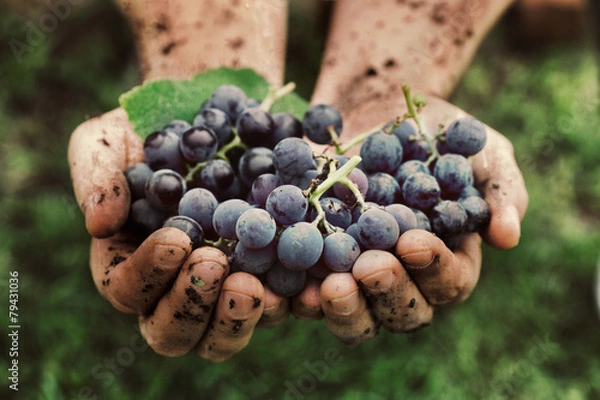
column 529, row 331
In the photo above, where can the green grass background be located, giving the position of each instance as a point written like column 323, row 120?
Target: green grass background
column 530, row 330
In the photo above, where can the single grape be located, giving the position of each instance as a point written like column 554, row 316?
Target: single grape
column 137, row 175
column 292, row 157
column 161, row 151
column 178, row 126
column 285, row 282
column 189, row 226
column 408, row 168
column 145, row 219
column 285, row 126
column 217, row 176
column 377, row 229
column 343, row 192
column 262, row 186
column 287, row 204
column 300, row 246
column 199, row 204
column 478, row 213
column 421, row 191
column 255, row 127
column 198, row 144
column 226, row 215
column 466, row 136
column 381, row 152
column 254, row 162
column 422, row 220
column 164, row 189
column 340, row 250
column 230, row 99
column 255, row 261
column 405, row 217
column 448, row 218
column 318, row 119
column 453, row 173
column 255, row 228
column 383, row 188
column 336, row 212
column 218, row 121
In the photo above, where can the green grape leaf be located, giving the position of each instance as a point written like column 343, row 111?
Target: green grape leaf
column 154, row 104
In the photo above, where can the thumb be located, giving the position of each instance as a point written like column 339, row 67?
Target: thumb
column 99, row 151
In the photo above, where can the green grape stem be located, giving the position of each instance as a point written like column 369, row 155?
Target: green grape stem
column 423, row 134
column 275, row 94
column 358, row 139
column 335, row 175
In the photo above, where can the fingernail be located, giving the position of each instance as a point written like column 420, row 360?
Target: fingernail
column 345, row 305
column 379, row 281
column 207, row 277
column 418, row 260
column 239, row 305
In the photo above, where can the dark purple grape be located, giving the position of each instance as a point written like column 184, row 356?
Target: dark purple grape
column 466, row 136
column 255, row 127
column 198, row 144
column 145, row 219
column 408, row 168
column 421, row 191
column 383, row 189
column 164, row 189
column 478, row 213
column 189, row 226
column 377, row 229
column 292, row 157
column 218, row 121
column 262, row 186
column 405, row 217
column 317, row 121
column 336, row 212
column 178, row 126
column 285, row 282
column 199, row 204
column 255, row 261
column 226, row 215
column 300, row 246
column 287, row 204
column 230, row 99
column 161, row 151
column 453, row 173
column 285, row 126
column 448, row 218
column 255, row 162
column 340, row 250
column 136, row 176
column 422, row 220
column 219, row 177
column 381, row 152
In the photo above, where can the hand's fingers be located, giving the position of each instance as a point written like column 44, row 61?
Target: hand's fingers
column 392, row 294
column 496, row 171
column 100, row 150
column 239, row 308
column 182, row 314
column 345, row 309
column 276, row 311
column 307, row 304
column 442, row 276
column 134, row 281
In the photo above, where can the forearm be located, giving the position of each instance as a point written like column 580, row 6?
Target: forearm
column 178, row 38
column 376, row 46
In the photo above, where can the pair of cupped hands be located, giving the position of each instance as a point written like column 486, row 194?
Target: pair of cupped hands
column 189, row 301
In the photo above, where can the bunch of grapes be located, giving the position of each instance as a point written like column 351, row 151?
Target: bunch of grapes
column 244, row 180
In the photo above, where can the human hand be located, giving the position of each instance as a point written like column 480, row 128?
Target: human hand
column 399, row 292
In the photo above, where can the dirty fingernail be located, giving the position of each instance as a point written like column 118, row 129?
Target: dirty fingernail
column 418, row 260
column 345, row 305
column 379, row 281
column 239, row 305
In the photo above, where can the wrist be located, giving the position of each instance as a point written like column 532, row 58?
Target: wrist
column 427, row 46
column 179, row 38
